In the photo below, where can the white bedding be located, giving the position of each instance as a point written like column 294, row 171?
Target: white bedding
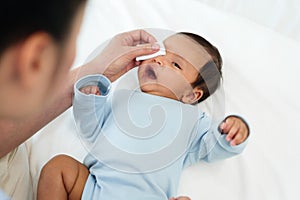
column 261, row 70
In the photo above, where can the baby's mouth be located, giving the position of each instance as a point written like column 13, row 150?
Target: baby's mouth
column 149, row 72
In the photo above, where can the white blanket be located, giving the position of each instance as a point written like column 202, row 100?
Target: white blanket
column 261, row 70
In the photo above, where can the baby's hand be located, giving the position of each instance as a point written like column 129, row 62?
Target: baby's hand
column 236, row 129
column 90, row 89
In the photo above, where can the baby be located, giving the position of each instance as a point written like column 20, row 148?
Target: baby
column 136, row 160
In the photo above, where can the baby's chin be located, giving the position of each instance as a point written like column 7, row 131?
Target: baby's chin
column 148, row 87
column 158, row 90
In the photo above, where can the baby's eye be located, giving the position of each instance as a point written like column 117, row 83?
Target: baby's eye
column 176, row 65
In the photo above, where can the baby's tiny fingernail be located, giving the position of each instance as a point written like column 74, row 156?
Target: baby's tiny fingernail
column 228, row 138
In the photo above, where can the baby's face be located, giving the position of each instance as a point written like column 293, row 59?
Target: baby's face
column 171, row 75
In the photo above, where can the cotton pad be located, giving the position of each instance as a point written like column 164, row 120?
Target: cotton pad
column 161, row 52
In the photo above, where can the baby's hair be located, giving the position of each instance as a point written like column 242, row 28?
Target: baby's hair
column 210, row 74
column 21, row 18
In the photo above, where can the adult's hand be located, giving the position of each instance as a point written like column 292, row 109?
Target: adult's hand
column 119, row 55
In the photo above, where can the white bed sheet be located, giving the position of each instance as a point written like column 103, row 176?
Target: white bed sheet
column 282, row 15
column 261, row 70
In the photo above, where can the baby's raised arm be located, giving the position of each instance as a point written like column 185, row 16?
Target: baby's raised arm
column 90, row 105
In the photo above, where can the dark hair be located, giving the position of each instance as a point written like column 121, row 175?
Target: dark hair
column 21, row 18
column 210, row 74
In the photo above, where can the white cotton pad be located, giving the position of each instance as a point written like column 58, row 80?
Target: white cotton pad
column 161, row 52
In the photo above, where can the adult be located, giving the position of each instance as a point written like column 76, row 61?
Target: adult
column 37, row 48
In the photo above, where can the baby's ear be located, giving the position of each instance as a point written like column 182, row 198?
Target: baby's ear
column 193, row 96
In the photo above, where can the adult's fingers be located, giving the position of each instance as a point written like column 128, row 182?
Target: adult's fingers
column 144, row 49
column 141, row 36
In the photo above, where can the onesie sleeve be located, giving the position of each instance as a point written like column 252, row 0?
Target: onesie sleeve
column 209, row 144
column 3, row 196
column 90, row 110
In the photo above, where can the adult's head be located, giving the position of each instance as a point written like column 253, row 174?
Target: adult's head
column 37, row 48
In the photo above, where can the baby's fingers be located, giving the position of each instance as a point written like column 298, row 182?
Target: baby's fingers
column 231, row 127
column 236, row 140
column 232, row 133
column 240, row 137
column 180, row 198
column 90, row 90
column 226, row 125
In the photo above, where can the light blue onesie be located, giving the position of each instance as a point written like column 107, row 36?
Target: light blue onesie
column 3, row 196
column 139, row 143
